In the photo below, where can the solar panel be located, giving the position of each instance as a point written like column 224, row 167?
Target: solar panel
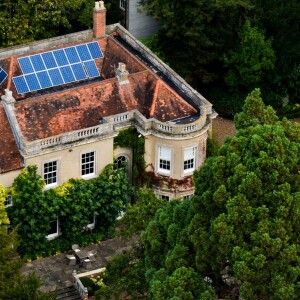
column 56, row 67
column 3, row 75
column 44, row 79
column 78, row 71
column 83, row 52
column 91, row 69
column 67, row 74
column 32, row 82
column 49, row 60
column 95, row 50
column 60, row 57
column 56, row 77
column 25, row 65
column 37, row 62
column 72, row 55
column 20, row 84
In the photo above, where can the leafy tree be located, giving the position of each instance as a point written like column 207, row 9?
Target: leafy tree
column 240, row 230
column 31, row 210
column 14, row 285
column 247, row 203
column 138, row 215
column 169, row 256
column 195, row 34
column 248, row 63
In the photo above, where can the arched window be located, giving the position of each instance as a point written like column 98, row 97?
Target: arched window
column 120, row 162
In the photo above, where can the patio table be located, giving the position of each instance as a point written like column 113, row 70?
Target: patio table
column 81, row 255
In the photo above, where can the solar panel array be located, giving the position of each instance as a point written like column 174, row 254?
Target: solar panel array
column 41, row 71
column 3, row 75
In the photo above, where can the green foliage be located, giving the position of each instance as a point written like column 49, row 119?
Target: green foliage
column 243, row 222
column 212, row 148
column 249, row 62
column 75, row 202
column 14, row 285
column 3, row 214
column 124, row 277
column 131, row 138
column 26, row 21
column 169, row 255
column 138, row 215
column 153, row 43
column 247, row 202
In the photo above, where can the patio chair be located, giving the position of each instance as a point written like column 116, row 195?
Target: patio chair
column 92, row 254
column 75, row 247
column 71, row 260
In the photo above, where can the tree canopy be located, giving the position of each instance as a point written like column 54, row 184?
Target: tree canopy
column 239, row 234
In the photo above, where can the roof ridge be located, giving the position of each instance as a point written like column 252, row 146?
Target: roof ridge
column 177, row 95
column 153, row 105
column 9, row 78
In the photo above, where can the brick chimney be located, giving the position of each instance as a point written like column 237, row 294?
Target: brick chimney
column 99, row 19
column 122, row 73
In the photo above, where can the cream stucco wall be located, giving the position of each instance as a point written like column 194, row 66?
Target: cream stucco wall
column 177, row 145
column 7, row 179
column 69, row 160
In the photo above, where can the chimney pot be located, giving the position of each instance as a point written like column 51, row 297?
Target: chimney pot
column 122, row 73
column 99, row 19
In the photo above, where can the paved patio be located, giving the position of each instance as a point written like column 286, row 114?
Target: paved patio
column 55, row 272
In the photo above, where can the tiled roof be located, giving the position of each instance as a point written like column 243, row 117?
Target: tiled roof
column 10, row 158
column 79, row 105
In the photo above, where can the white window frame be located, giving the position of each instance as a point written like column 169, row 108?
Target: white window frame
column 189, row 159
column 53, row 184
column 123, row 4
column 89, row 175
column 164, row 158
column 52, row 236
column 118, row 159
column 8, row 201
column 164, row 197
column 186, row 197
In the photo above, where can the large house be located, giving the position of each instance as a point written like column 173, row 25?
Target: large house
column 65, row 99
column 136, row 20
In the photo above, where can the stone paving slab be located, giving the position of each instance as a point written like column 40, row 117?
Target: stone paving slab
column 55, row 272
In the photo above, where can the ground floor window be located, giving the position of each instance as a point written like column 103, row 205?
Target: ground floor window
column 53, row 231
column 8, row 201
column 120, row 162
column 186, row 197
column 164, row 197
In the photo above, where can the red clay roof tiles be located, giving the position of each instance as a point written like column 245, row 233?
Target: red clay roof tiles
column 10, row 158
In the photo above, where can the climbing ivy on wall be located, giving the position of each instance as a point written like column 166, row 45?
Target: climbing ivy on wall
column 74, row 203
column 131, row 138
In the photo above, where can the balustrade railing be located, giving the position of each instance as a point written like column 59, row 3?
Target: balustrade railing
column 113, row 123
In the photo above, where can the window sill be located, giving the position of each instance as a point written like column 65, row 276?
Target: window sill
column 89, row 176
column 50, row 186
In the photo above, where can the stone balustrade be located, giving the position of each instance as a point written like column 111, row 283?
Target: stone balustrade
column 112, row 124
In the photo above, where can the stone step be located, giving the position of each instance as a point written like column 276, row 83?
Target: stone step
column 68, row 293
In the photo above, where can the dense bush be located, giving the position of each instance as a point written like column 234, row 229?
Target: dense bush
column 74, row 203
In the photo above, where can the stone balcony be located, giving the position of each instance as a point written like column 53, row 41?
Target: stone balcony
column 110, row 126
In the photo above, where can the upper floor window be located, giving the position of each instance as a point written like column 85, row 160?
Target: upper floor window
column 8, row 201
column 50, row 172
column 189, row 159
column 88, row 163
column 123, row 4
column 120, row 162
column 164, row 160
